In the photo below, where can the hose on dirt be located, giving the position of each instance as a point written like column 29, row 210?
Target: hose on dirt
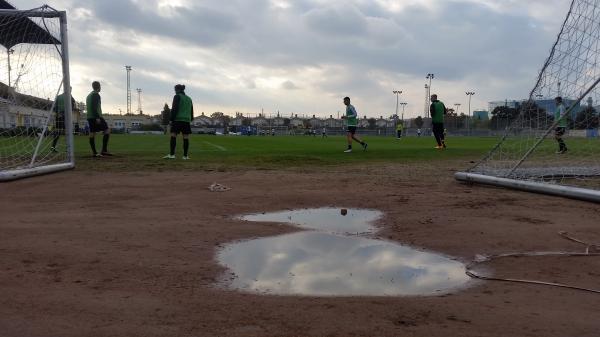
column 590, row 250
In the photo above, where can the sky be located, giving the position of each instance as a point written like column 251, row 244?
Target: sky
column 303, row 56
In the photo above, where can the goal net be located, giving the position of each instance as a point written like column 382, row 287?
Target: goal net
column 35, row 119
column 530, row 155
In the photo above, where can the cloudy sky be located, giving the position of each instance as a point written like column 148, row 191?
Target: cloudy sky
column 304, row 56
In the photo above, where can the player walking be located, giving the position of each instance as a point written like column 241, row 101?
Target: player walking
column 182, row 114
column 561, row 127
column 96, row 122
column 59, row 122
column 438, row 110
column 399, row 129
column 351, row 118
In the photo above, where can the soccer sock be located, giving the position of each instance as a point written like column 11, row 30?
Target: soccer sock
column 55, row 140
column 186, row 146
column 173, row 144
column 349, row 146
column 93, row 144
column 105, row 143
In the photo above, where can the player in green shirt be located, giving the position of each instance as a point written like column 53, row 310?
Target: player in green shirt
column 437, row 111
column 93, row 105
column 561, row 126
column 351, row 118
column 59, row 121
column 182, row 114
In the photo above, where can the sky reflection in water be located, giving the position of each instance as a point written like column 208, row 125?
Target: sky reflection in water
column 326, row 263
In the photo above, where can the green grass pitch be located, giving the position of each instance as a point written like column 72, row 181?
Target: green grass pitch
column 145, row 152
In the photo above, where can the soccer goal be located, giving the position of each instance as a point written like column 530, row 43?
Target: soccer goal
column 529, row 156
column 36, row 128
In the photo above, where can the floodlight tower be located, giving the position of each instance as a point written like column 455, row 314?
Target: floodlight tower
column 139, row 92
column 430, row 77
column 457, row 105
column 128, row 69
column 470, row 95
column 403, row 106
column 397, row 93
column 8, row 53
column 426, row 109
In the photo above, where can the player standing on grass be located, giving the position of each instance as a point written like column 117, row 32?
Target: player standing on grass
column 561, row 127
column 351, row 118
column 399, row 129
column 182, row 114
column 96, row 122
column 438, row 110
column 59, row 122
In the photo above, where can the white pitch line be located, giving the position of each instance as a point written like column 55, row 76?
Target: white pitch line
column 216, row 146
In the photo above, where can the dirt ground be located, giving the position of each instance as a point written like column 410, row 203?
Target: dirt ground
column 133, row 254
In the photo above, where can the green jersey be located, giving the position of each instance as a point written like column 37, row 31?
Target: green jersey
column 437, row 110
column 182, row 108
column 93, row 105
column 351, row 115
column 560, row 111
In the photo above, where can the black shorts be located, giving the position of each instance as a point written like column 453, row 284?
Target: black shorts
column 59, row 123
column 97, row 127
column 183, row 127
column 560, row 131
column 351, row 129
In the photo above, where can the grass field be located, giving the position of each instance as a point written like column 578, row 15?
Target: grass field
column 145, row 152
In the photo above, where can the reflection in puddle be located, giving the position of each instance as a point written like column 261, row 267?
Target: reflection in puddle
column 324, row 219
column 326, row 264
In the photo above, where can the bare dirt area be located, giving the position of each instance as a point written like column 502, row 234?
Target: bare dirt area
column 133, row 254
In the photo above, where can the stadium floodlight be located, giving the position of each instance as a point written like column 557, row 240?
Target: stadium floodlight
column 470, row 95
column 397, row 93
column 37, row 40
column 526, row 157
column 403, row 106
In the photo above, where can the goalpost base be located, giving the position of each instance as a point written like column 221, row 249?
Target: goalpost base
column 531, row 186
column 34, row 171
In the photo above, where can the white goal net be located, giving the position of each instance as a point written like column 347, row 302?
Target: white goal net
column 548, row 148
column 35, row 119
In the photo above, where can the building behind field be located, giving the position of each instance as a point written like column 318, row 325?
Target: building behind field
column 18, row 110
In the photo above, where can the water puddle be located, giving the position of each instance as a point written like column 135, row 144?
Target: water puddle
column 330, row 260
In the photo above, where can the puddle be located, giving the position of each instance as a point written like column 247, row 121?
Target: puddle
column 325, row 263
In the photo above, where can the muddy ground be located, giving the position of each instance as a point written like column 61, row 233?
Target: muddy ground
column 132, row 254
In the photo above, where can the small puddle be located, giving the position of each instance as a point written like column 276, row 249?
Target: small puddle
column 328, row 261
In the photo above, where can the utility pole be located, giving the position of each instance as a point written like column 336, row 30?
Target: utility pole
column 139, row 92
column 470, row 95
column 128, row 69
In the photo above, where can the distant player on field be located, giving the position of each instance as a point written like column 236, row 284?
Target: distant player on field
column 59, row 122
column 182, row 114
column 561, row 127
column 96, row 122
column 399, row 129
column 351, row 118
column 438, row 110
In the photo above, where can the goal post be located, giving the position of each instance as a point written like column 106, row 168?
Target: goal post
column 36, row 128
column 551, row 144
